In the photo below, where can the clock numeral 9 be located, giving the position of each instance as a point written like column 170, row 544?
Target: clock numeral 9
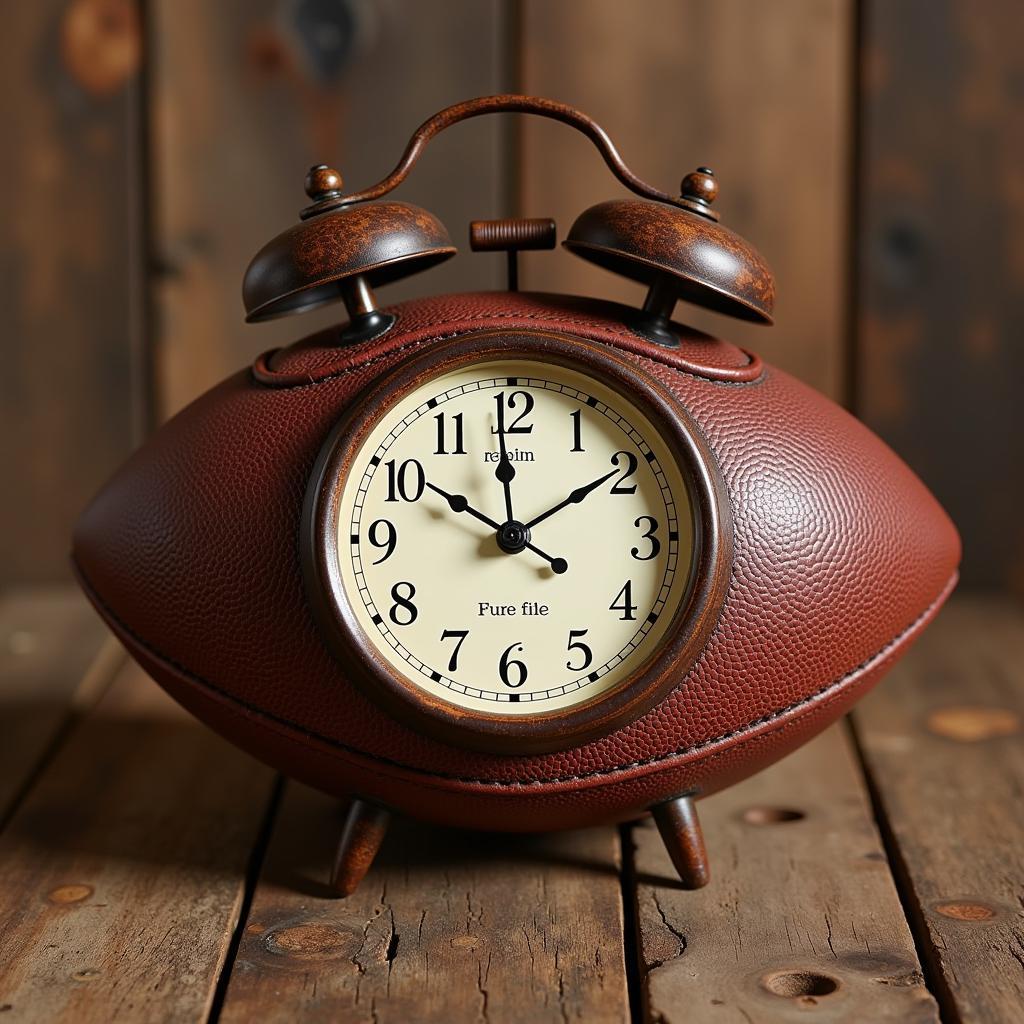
column 390, row 541
column 620, row 487
column 508, row 665
column 652, row 529
column 453, row 661
column 441, row 432
column 408, row 613
column 399, row 484
column 576, row 645
column 625, row 595
column 514, row 427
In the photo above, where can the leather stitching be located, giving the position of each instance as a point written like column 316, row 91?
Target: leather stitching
column 558, row 779
column 264, row 374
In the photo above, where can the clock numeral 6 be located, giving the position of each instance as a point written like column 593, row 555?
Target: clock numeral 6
column 508, row 665
column 625, row 595
column 399, row 483
column 576, row 645
column 620, row 486
column 408, row 614
column 652, row 529
column 390, row 540
column 453, row 661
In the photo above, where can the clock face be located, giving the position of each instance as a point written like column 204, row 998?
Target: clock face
column 513, row 537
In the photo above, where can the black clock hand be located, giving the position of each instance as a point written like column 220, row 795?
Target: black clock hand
column 574, row 498
column 504, row 471
column 458, row 503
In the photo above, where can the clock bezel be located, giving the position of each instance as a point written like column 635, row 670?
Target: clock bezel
column 542, row 732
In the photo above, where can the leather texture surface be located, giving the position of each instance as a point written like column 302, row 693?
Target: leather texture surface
column 191, row 552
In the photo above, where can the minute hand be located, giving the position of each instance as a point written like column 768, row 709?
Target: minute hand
column 574, row 498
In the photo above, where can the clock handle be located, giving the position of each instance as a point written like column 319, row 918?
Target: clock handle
column 507, row 104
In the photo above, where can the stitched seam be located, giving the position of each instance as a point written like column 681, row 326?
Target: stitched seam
column 337, row 374
column 499, row 783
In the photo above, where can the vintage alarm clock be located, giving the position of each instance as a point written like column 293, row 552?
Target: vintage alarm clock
column 514, row 561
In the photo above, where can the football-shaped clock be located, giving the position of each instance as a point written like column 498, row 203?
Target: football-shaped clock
column 514, row 561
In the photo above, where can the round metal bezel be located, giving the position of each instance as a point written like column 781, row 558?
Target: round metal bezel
column 661, row 671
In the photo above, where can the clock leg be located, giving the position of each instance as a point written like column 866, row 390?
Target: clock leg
column 677, row 822
column 361, row 837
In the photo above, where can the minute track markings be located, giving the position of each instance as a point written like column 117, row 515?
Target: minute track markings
column 628, row 430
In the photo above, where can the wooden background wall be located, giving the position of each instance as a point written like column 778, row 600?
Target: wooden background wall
column 873, row 151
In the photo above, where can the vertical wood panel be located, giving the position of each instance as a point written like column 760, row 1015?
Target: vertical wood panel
column 941, row 261
column 247, row 95
column 70, row 236
column 759, row 92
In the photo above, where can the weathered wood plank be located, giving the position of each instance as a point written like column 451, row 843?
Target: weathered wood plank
column 70, row 252
column 247, row 95
column 801, row 913
column 941, row 279
column 49, row 638
column 447, row 926
column 123, row 869
column 759, row 92
column 942, row 741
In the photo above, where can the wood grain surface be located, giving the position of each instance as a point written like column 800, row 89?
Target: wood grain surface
column 801, row 919
column 940, row 311
column 246, row 96
column 943, row 742
column 123, row 870
column 71, row 388
column 759, row 92
column 50, row 639
column 448, row 926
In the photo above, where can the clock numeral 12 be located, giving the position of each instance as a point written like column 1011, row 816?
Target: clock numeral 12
column 625, row 595
column 441, row 449
column 513, row 427
column 453, row 661
column 576, row 645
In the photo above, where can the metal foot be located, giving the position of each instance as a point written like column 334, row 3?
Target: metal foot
column 360, row 840
column 680, row 830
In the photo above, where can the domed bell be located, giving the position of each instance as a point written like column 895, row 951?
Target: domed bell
column 341, row 251
column 679, row 252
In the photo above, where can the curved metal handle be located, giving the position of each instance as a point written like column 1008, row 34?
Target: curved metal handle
column 515, row 105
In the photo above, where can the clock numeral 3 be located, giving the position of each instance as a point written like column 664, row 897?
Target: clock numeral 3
column 652, row 529
column 399, row 484
column 576, row 645
column 620, row 487
column 515, row 426
column 390, row 541
column 508, row 665
column 453, row 661
column 441, row 432
column 625, row 595
column 408, row 613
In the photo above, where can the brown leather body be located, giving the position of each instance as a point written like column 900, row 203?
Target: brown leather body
column 191, row 553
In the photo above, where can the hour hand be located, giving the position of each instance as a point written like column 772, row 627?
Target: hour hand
column 459, row 503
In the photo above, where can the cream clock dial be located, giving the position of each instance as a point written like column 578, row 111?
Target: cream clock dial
column 514, row 537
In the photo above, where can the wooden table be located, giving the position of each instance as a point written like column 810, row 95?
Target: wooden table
column 150, row 872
